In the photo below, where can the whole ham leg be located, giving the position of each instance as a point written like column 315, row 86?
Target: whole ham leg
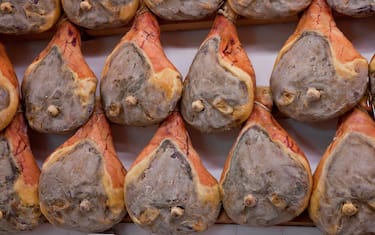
column 219, row 87
column 81, row 184
column 266, row 179
column 9, row 94
column 100, row 14
column 343, row 198
column 27, row 17
column 139, row 85
column 58, row 88
column 19, row 177
column 167, row 189
column 318, row 74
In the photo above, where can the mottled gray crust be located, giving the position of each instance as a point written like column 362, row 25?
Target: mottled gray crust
column 75, row 177
column 268, row 9
column 168, row 182
column 16, row 217
column 4, row 98
column 183, row 9
column 356, row 8
column 350, row 177
column 207, row 81
column 261, row 169
column 128, row 74
column 102, row 14
column 26, row 16
column 52, row 83
column 308, row 65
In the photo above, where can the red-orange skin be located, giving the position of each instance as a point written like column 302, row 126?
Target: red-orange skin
column 277, row 134
column 98, row 131
column 318, row 18
column 173, row 128
column 230, row 48
column 68, row 40
column 355, row 120
column 6, row 68
column 145, row 32
column 16, row 134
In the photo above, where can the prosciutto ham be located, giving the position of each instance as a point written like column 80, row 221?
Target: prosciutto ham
column 266, row 179
column 219, row 88
column 167, row 189
column 58, row 88
column 139, row 85
column 81, row 184
column 318, row 74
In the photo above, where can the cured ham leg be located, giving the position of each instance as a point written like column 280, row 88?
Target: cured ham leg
column 354, row 8
column 25, row 16
column 9, row 94
column 268, row 9
column 58, row 88
column 318, row 74
column 81, row 184
column 19, row 176
column 167, row 189
column 343, row 198
column 99, row 14
column 266, row 179
column 139, row 85
column 219, row 87
column 183, row 9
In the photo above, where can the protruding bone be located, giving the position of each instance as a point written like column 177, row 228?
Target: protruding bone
column 114, row 110
column 177, row 212
column 148, row 216
column 278, row 202
column 53, row 110
column 313, row 94
column 131, row 100
column 286, row 98
column 197, row 106
column 85, row 5
column 85, row 205
column 6, row 7
column 349, row 209
column 250, row 200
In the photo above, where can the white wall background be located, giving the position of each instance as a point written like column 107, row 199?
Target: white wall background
column 262, row 42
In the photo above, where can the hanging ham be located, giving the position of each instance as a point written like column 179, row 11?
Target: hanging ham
column 19, row 176
column 318, row 74
column 139, row 85
column 268, row 9
column 176, row 10
column 81, row 184
column 219, row 87
column 343, row 198
column 58, row 88
column 27, row 17
column 354, row 8
column 167, row 189
column 266, row 179
column 99, row 14
column 8, row 90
